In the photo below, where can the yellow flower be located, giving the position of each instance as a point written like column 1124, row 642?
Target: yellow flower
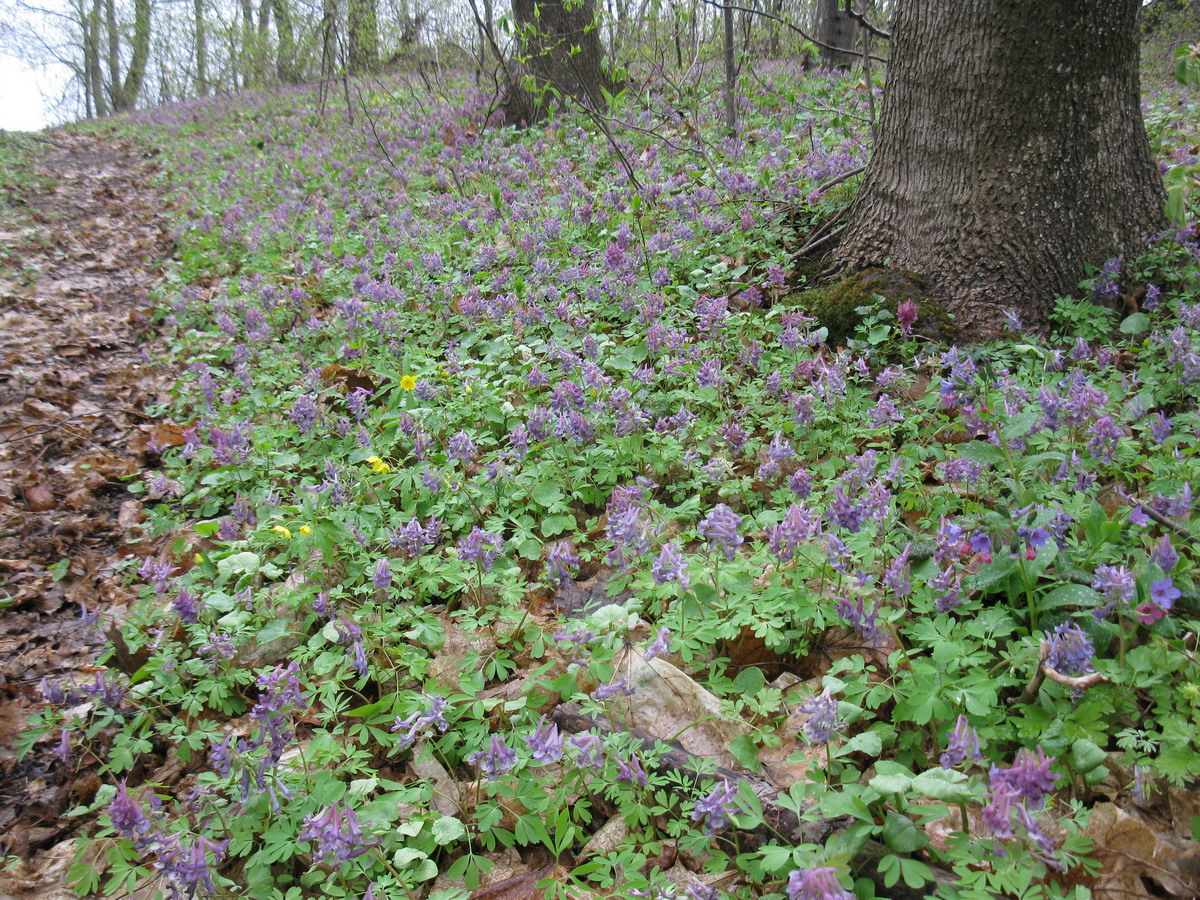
column 408, row 382
column 306, row 529
column 380, row 467
column 279, row 529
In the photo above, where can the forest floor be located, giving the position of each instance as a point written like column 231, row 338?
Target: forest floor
column 83, row 238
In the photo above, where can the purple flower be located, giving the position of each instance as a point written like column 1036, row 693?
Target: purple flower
column 382, row 579
column 817, row 884
column 1117, row 585
column 1012, row 322
column 858, row 618
column 462, row 447
column 185, row 605
column 660, row 646
column 896, row 578
column 716, row 808
column 963, row 745
column 631, row 771
column 1071, row 650
column 561, row 562
column 188, row 867
column 419, row 721
column 906, row 315
column 1163, row 555
column 617, row 686
column 545, row 744
column 720, row 528
column 1160, row 428
column 496, row 760
column 822, row 710
column 588, row 747
column 670, row 566
column 1029, row 777
column 337, row 833
column 1164, row 593
column 128, row 818
column 480, row 547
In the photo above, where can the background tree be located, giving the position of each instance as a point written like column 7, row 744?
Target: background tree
column 561, row 50
column 1011, row 154
column 363, row 33
column 838, row 34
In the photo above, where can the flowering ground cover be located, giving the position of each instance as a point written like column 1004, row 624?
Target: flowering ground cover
column 518, row 524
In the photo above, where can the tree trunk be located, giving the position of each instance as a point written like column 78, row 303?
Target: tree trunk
column 838, row 32
column 139, row 53
column 286, row 69
column 114, row 53
column 201, row 49
column 328, row 38
column 730, row 72
column 1011, row 153
column 91, row 52
column 560, row 47
column 362, row 22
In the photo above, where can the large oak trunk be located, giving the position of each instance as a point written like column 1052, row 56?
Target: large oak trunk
column 561, row 50
column 1011, row 154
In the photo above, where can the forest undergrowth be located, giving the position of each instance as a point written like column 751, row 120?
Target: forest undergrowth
column 516, row 526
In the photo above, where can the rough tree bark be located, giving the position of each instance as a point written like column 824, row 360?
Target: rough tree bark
column 201, row 46
column 362, row 28
column 287, row 69
column 838, row 32
column 560, row 47
column 1011, row 153
column 123, row 94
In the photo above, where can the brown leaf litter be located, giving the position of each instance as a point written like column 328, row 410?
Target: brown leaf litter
column 75, row 380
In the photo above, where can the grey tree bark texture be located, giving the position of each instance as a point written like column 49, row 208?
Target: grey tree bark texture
column 838, row 32
column 560, row 44
column 1011, row 154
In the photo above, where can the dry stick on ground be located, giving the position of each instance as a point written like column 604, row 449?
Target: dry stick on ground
column 779, row 825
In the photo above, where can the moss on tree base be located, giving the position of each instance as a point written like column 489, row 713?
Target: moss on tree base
column 835, row 305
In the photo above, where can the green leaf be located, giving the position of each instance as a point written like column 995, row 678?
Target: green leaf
column 554, row 525
column 547, row 493
column 448, row 829
column 59, row 570
column 1077, row 595
column 362, row 712
column 978, row 451
column 868, row 742
column 991, row 574
column 273, row 632
column 745, row 751
column 244, row 563
column 891, row 784
column 947, row 785
column 902, row 834
column 1086, row 756
column 1135, row 324
column 406, row 855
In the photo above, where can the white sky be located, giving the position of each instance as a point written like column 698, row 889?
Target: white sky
column 21, row 105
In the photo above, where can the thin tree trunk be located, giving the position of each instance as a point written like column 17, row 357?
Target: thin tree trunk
column 114, row 53
column 1011, row 153
column 95, row 75
column 131, row 87
column 285, row 57
column 328, row 38
column 730, row 72
column 201, row 40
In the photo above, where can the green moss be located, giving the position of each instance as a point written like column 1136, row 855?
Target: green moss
column 834, row 305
